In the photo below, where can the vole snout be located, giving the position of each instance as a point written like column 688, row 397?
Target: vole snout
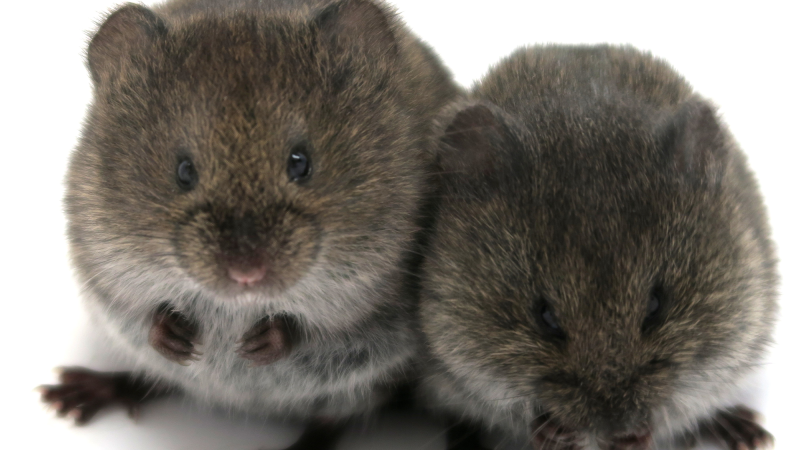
column 238, row 249
column 248, row 276
column 243, row 254
column 548, row 432
column 614, row 407
column 639, row 439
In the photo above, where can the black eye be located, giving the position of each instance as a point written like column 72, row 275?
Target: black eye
column 299, row 167
column 655, row 304
column 548, row 321
column 187, row 174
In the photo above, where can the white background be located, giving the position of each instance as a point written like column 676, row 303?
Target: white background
column 743, row 57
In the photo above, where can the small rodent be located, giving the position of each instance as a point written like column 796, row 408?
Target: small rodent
column 251, row 176
column 601, row 274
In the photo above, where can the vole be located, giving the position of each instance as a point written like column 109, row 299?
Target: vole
column 600, row 274
column 251, row 177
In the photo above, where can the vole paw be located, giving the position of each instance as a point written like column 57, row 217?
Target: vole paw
column 174, row 335
column 738, row 429
column 267, row 341
column 82, row 393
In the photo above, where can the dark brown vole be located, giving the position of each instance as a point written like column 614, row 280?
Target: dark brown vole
column 252, row 171
column 601, row 273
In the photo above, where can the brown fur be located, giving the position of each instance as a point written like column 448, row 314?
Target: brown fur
column 590, row 178
column 235, row 86
column 227, row 89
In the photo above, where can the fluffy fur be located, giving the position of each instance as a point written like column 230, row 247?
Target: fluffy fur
column 592, row 179
column 234, row 86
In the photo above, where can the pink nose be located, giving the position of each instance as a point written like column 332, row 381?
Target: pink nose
column 248, row 276
column 636, row 440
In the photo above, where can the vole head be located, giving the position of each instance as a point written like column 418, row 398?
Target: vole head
column 245, row 153
column 605, row 266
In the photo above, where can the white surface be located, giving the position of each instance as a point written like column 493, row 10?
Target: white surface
column 742, row 57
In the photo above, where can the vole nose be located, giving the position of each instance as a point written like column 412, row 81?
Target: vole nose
column 636, row 440
column 247, row 276
column 547, row 432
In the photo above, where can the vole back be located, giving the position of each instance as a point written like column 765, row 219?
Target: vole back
column 620, row 282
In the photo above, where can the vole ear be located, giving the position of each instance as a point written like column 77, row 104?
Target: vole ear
column 359, row 24
column 695, row 141
column 476, row 139
column 126, row 29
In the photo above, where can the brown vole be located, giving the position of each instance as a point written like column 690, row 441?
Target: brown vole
column 601, row 273
column 251, row 176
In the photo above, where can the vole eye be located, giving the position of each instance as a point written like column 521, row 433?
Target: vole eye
column 299, row 166
column 186, row 174
column 549, row 318
column 654, row 307
column 548, row 321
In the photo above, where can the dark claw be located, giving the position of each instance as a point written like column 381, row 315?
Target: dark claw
column 172, row 335
column 269, row 340
column 181, row 327
column 738, row 429
column 82, row 393
column 85, row 412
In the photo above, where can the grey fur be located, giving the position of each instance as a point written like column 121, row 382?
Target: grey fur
column 232, row 83
column 589, row 176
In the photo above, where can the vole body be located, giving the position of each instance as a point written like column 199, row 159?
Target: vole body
column 601, row 273
column 251, row 159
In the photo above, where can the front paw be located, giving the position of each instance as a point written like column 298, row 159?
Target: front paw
column 82, row 393
column 174, row 335
column 267, row 341
column 737, row 428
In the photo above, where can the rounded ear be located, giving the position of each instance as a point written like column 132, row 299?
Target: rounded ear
column 130, row 27
column 476, row 140
column 357, row 24
column 695, row 141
